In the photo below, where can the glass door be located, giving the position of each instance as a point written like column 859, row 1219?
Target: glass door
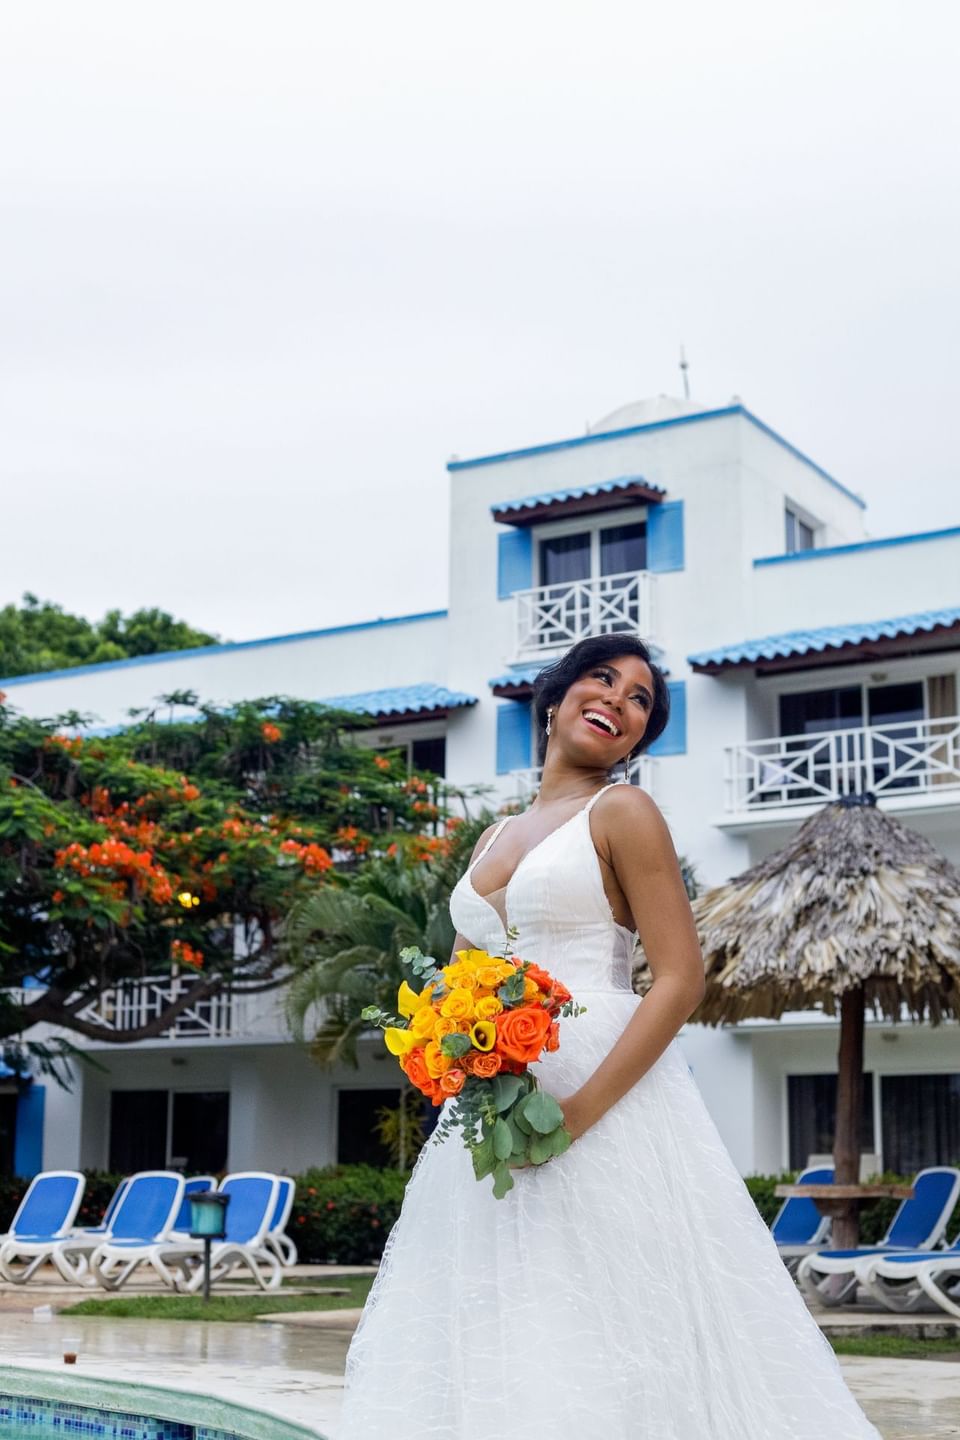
column 893, row 757
column 563, row 603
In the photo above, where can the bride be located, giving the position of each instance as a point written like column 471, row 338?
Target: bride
column 627, row 1289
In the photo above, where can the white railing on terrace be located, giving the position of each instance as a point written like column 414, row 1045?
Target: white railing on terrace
column 552, row 617
column 642, row 773
column 138, row 1002
column 902, row 759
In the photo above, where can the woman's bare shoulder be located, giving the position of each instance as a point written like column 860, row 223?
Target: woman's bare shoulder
column 627, row 814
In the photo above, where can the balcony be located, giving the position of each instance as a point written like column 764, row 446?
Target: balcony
column 910, row 766
column 554, row 617
column 222, row 1016
column 642, row 774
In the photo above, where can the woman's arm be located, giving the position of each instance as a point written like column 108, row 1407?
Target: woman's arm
column 632, row 836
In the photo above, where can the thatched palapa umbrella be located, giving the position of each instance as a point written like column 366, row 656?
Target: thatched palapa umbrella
column 855, row 912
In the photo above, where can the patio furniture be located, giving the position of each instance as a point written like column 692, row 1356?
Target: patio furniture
column 108, row 1214
column 144, row 1216
column 832, row 1276
column 43, row 1220
column 177, row 1259
column 799, row 1228
column 901, row 1282
column 277, row 1238
column 180, row 1229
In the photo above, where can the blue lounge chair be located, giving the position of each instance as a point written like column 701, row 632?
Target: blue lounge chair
column 277, row 1238
column 108, row 1214
column 832, row 1276
column 43, row 1220
column 901, row 1282
column 799, row 1229
column 194, row 1186
column 250, row 1214
column 145, row 1214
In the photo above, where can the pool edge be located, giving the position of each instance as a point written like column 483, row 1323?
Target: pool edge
column 159, row 1402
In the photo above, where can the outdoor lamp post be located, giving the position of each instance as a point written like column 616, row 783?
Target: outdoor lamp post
column 208, row 1222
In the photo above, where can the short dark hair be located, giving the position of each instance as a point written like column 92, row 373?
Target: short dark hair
column 552, row 684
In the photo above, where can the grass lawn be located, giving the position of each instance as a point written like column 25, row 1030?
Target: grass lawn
column 224, row 1307
column 897, row 1347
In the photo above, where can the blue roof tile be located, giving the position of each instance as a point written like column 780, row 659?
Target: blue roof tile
column 557, row 497
column 830, row 637
column 402, row 700
column 520, row 675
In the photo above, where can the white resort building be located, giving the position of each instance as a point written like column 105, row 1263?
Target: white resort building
column 806, row 661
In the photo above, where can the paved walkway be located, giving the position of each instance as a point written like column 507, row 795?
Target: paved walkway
column 295, row 1370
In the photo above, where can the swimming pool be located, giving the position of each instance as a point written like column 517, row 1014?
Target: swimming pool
column 50, row 1405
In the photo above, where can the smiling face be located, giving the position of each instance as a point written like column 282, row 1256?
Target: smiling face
column 603, row 716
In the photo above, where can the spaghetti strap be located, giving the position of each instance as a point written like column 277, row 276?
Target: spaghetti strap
column 477, row 858
column 594, row 798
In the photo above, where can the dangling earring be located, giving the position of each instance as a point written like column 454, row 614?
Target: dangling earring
column 626, row 770
column 549, row 719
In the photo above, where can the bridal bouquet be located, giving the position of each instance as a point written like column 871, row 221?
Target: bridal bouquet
column 469, row 1035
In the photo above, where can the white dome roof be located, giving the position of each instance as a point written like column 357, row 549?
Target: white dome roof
column 646, row 412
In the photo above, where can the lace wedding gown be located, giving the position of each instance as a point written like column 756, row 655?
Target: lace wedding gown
column 627, row 1290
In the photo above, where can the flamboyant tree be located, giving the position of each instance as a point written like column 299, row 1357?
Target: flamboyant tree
column 179, row 844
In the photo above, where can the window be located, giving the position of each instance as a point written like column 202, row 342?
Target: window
column 430, row 755
column 8, row 1130
column 138, row 1130
column 357, row 1140
column 589, row 554
column 588, row 583
column 812, row 1116
column 799, row 533
column 199, row 1131
column 154, row 1130
column 853, row 762
column 921, row 1121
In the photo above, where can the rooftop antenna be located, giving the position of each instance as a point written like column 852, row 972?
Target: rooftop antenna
column 684, row 367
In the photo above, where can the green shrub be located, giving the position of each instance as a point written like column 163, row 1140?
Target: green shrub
column 343, row 1215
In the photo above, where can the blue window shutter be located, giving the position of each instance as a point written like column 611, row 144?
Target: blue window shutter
column 28, row 1142
column 673, row 741
column 513, row 736
column 665, row 536
column 514, row 563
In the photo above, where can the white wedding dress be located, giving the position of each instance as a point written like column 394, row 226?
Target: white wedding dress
column 627, row 1290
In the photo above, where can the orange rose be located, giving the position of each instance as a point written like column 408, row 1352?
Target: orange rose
column 415, row 1069
column 483, row 1063
column 452, row 1082
column 540, row 977
column 521, row 1033
column 553, row 1036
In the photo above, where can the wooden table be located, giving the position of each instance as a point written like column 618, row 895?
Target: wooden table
column 842, row 1203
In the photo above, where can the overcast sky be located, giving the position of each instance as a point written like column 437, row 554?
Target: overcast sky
column 265, row 267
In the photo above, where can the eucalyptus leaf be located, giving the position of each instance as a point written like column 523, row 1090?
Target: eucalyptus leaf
column 520, row 1120
column 561, row 1140
column 505, row 1089
column 502, row 1139
column 541, row 1149
column 542, row 1112
column 483, row 1157
column 502, row 1180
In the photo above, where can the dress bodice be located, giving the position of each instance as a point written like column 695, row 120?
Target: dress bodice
column 556, row 902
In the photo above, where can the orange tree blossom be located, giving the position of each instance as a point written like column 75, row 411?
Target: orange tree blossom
column 179, row 845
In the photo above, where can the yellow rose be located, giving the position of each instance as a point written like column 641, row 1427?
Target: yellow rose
column 444, row 1026
column 424, row 1023
column 436, row 1062
column 399, row 1042
column 484, row 1034
column 489, row 976
column 488, row 1006
column 458, row 977
column 531, row 990
column 458, row 1005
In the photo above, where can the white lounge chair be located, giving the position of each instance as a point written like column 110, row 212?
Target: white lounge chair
column 250, row 1214
column 44, row 1219
column 902, row 1282
column 277, row 1238
column 799, row 1229
column 108, row 1214
column 832, row 1276
column 145, row 1215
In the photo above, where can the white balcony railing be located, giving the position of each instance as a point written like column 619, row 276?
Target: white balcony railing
column 916, row 756
column 553, row 617
column 138, row 1002
column 642, row 773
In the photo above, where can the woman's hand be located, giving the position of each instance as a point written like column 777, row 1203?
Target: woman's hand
column 573, row 1118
